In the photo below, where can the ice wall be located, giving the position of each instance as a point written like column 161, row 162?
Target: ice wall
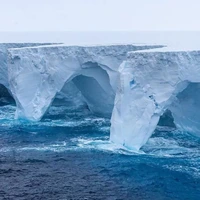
column 150, row 82
column 4, row 57
column 136, row 87
column 36, row 75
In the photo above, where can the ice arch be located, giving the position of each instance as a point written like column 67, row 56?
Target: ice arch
column 92, row 87
column 37, row 74
column 150, row 83
column 40, row 87
column 94, row 84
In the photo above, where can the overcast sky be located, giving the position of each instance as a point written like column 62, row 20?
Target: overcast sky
column 99, row 15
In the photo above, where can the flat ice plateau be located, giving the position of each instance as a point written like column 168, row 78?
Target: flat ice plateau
column 133, row 83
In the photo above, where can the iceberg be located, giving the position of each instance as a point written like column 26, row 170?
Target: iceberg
column 150, row 83
column 133, row 84
column 38, row 74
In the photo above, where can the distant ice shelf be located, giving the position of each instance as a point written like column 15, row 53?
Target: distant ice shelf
column 131, row 84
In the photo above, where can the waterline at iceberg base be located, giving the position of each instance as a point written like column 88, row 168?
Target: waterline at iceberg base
column 57, row 104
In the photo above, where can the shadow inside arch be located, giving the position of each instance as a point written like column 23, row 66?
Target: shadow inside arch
column 87, row 92
column 5, row 96
column 186, row 109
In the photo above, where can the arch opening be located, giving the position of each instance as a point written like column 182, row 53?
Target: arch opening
column 98, row 100
column 5, row 96
column 186, row 109
column 167, row 119
column 89, row 90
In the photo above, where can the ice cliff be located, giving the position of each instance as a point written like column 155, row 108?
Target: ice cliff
column 37, row 75
column 130, row 82
column 4, row 57
column 150, row 83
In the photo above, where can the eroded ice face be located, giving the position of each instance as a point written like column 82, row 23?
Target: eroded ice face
column 161, row 81
column 136, row 89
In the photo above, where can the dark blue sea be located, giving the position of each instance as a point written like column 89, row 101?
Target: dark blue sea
column 68, row 156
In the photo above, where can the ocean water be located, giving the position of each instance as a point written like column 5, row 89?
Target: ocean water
column 68, row 156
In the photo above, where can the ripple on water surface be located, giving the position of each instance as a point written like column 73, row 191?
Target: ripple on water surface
column 68, row 155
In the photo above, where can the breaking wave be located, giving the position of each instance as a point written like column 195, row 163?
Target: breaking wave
column 66, row 138
column 166, row 141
